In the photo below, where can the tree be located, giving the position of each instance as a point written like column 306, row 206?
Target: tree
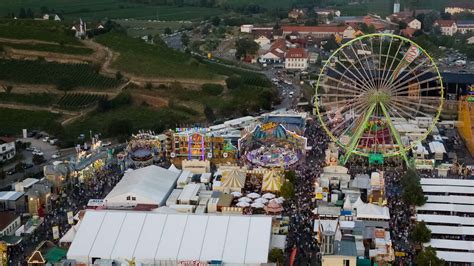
column 29, row 13
column 118, row 75
column 38, row 159
column 8, row 89
column 276, row 256
column 412, row 191
column 120, row 128
column 287, row 190
column 209, row 113
column 19, row 167
column 22, row 13
column 215, row 21
column 54, row 128
column 420, row 233
column 103, row 105
column 330, row 44
column 245, row 47
column 148, row 86
column 234, row 82
column 2, row 174
column 212, row 89
column 44, row 10
column 167, row 31
column 290, row 175
column 402, row 25
column 428, row 257
column 184, row 39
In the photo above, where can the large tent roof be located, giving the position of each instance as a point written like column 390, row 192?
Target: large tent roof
column 151, row 182
column 154, row 237
column 372, row 211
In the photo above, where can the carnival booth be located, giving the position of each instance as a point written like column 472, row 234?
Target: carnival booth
column 272, row 181
column 232, row 181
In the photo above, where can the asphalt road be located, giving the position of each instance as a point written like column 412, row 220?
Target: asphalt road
column 287, row 101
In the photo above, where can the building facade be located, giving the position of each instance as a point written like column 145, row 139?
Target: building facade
column 9, row 223
column 7, row 148
column 296, row 58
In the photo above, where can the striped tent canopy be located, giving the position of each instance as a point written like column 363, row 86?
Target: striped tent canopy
column 272, row 181
column 233, row 180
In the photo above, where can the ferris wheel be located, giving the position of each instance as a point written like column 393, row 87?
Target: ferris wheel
column 371, row 87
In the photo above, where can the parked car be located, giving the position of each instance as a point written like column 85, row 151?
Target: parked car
column 39, row 153
column 11, row 171
column 30, row 149
column 106, row 144
column 46, row 139
column 53, row 141
column 27, row 166
column 56, row 155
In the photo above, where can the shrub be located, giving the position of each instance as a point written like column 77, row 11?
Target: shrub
column 212, row 89
column 234, row 82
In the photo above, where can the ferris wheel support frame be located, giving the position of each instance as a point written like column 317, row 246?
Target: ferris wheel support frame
column 349, row 150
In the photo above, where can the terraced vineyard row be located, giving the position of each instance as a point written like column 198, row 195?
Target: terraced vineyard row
column 64, row 76
column 75, row 101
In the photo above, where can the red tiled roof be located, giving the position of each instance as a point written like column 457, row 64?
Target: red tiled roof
column 445, row 22
column 408, row 32
column 6, row 140
column 314, row 29
column 296, row 53
column 279, row 43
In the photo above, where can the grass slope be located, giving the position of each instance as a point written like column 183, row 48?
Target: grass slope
column 49, row 31
column 147, row 60
column 113, row 9
column 13, row 120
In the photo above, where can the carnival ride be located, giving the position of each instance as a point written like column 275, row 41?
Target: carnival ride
column 142, row 147
column 272, row 145
column 371, row 83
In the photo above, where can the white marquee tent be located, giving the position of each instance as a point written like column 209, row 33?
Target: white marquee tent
column 153, row 238
column 148, row 185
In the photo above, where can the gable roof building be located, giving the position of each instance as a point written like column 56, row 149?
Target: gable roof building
column 149, row 185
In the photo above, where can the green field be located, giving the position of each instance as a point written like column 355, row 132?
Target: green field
column 13, row 120
column 65, row 76
column 142, row 59
column 53, row 48
column 139, row 28
column 39, row 99
column 141, row 117
column 48, row 31
column 93, row 10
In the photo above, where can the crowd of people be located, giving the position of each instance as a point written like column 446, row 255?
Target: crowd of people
column 300, row 237
column 73, row 196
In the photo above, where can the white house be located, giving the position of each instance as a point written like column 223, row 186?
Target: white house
column 46, row 16
column 414, row 24
column 296, row 58
column 247, row 28
column 263, row 41
column 10, row 222
column 7, row 148
column 470, row 40
column 57, row 18
column 448, row 27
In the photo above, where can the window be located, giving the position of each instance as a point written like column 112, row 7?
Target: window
column 128, row 197
column 4, row 148
column 133, row 198
column 346, row 263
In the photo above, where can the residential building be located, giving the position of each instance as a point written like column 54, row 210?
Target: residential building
column 396, row 6
column 448, row 27
column 414, row 24
column 459, row 6
column 9, row 223
column 344, row 253
column 465, row 26
column 262, row 41
column 297, row 14
column 246, row 28
column 324, row 31
column 296, row 58
column 7, row 148
column 325, row 12
column 12, row 201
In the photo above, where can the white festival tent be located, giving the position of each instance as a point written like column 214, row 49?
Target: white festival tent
column 154, row 239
